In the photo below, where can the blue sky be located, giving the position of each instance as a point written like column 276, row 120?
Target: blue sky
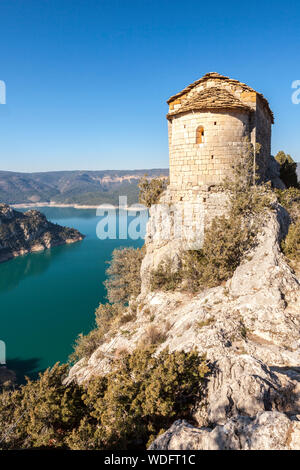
column 87, row 80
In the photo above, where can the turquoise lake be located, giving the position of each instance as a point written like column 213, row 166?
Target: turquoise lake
column 48, row 298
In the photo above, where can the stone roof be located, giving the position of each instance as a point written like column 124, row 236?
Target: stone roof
column 217, row 76
column 211, row 98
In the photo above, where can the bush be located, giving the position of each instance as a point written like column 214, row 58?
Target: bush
column 291, row 244
column 151, row 190
column 288, row 169
column 164, row 277
column 143, row 396
column 225, row 244
column 85, row 345
column 123, row 285
column 124, row 279
column 290, row 199
column 106, row 316
column 153, row 337
column 122, row 410
column 41, row 413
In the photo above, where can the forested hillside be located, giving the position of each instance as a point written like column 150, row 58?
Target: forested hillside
column 72, row 187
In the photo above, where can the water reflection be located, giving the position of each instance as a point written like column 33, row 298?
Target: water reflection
column 24, row 368
column 14, row 271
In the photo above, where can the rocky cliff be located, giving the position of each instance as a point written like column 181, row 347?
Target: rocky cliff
column 22, row 233
column 248, row 328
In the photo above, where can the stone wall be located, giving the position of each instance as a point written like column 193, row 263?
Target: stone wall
column 263, row 136
column 193, row 164
column 176, row 224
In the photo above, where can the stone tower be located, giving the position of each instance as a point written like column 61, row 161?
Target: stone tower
column 208, row 122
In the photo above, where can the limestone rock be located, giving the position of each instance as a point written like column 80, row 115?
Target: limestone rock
column 268, row 431
column 249, row 330
column 22, row 233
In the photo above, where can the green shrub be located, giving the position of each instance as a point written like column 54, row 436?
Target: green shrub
column 124, row 279
column 107, row 315
column 85, row 345
column 288, row 169
column 41, row 413
column 203, row 323
column 164, row 277
column 153, row 337
column 123, row 286
column 225, row 244
column 140, row 398
column 151, row 190
column 291, row 244
column 290, row 199
column 122, row 410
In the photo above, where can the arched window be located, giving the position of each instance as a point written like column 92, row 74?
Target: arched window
column 200, row 135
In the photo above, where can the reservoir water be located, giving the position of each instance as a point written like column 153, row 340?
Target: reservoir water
column 48, row 298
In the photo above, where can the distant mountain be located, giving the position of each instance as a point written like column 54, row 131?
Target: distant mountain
column 73, row 187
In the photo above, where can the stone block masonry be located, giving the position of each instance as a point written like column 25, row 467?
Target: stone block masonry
column 193, row 164
column 208, row 124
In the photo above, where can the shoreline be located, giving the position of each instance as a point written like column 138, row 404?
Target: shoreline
column 74, row 206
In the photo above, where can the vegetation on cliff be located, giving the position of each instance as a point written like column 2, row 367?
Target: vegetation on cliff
column 22, row 233
column 227, row 239
column 288, row 169
column 150, row 190
column 144, row 392
column 123, row 285
column 290, row 199
column 123, row 275
column 122, row 410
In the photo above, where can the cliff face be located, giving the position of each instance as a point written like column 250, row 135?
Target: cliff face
column 22, row 233
column 249, row 330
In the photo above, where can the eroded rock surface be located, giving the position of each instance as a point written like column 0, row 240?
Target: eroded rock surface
column 248, row 329
column 22, row 233
column 268, row 430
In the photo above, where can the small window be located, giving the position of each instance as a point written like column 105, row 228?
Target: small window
column 200, row 135
column 215, row 123
column 212, row 157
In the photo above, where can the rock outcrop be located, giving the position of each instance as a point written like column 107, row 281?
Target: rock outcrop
column 22, row 233
column 268, row 430
column 248, row 329
column 177, row 223
column 8, row 377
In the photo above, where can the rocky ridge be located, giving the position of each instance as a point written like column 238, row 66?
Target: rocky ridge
column 22, row 233
column 248, row 329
